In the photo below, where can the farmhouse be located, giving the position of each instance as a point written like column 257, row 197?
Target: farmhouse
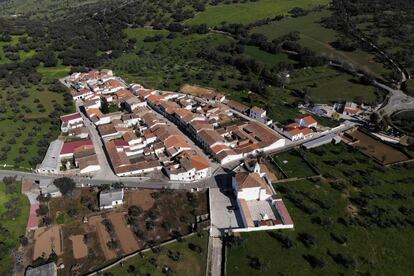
column 111, row 199
column 295, row 132
column 306, row 121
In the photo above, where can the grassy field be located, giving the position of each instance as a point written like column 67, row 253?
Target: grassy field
column 317, row 38
column 328, row 85
column 56, row 72
column 293, row 164
column 266, row 58
column 363, row 214
column 249, row 12
column 190, row 262
column 11, row 229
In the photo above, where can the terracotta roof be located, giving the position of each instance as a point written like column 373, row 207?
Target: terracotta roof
column 91, row 160
column 238, row 106
column 83, row 151
column 219, row 148
column 211, row 137
column 257, row 110
column 117, row 158
column 69, row 117
column 70, row 147
column 198, row 162
column 138, row 166
column 251, row 180
column 129, row 136
column 107, row 129
column 307, row 118
column 92, row 112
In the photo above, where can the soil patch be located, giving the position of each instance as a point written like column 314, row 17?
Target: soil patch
column 103, row 236
column 196, row 90
column 47, row 240
column 80, row 250
column 125, row 236
column 141, row 198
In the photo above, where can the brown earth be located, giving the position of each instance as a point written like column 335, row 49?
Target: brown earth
column 376, row 149
column 47, row 240
column 103, row 236
column 196, row 90
column 125, row 236
column 141, row 198
column 80, row 250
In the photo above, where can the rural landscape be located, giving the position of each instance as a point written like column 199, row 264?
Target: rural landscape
column 206, row 137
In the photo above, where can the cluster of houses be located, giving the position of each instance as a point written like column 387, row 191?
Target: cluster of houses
column 302, row 128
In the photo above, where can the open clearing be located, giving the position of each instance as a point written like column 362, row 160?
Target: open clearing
column 141, row 198
column 376, row 149
column 293, row 164
column 80, row 250
column 127, row 239
column 318, row 38
column 47, row 240
column 103, row 236
column 249, row 12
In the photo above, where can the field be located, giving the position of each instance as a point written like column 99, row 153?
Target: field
column 93, row 238
column 13, row 223
column 319, row 39
column 293, row 164
column 249, row 12
column 327, row 85
column 190, row 262
column 353, row 222
column 376, row 149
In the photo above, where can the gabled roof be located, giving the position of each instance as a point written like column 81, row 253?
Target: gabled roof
column 251, row 180
column 307, row 118
column 70, row 147
column 69, row 117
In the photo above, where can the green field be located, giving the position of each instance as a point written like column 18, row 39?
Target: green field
column 317, row 38
column 327, row 85
column 364, row 214
column 190, row 262
column 56, row 72
column 265, row 57
column 293, row 164
column 249, row 12
column 11, row 229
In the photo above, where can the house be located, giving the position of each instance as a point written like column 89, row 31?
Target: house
column 47, row 188
column 111, row 198
column 71, row 121
column 351, row 108
column 258, row 114
column 238, row 106
column 48, row 269
column 68, row 149
column 306, row 121
column 260, row 209
column 294, row 132
column 191, row 167
column 133, row 103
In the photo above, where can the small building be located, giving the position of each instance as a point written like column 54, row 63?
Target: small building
column 71, row 121
column 258, row 114
column 111, row 198
column 331, row 138
column 48, row 269
column 306, row 121
column 295, row 132
column 351, row 108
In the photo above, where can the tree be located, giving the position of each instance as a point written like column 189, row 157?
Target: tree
column 65, row 185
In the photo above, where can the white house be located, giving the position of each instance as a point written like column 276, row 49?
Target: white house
column 258, row 114
column 306, row 121
column 71, row 121
column 110, row 199
column 133, row 103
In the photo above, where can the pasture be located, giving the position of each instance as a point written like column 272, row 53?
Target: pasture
column 353, row 221
column 316, row 37
column 249, row 12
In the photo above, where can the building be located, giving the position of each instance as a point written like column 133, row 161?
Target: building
column 68, row 149
column 111, row 198
column 295, row 132
column 258, row 114
column 71, row 121
column 260, row 209
column 351, row 108
column 51, row 161
column 48, row 269
column 306, row 121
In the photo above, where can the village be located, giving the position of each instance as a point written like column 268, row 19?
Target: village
column 210, row 146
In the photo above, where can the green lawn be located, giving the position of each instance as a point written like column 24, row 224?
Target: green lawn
column 265, row 57
column 249, row 12
column 56, row 72
column 328, row 85
column 13, row 228
column 293, row 164
column 314, row 36
column 364, row 216
column 191, row 263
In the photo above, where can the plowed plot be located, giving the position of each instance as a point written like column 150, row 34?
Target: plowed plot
column 80, row 250
column 141, row 198
column 47, row 240
column 196, row 90
column 376, row 149
column 127, row 239
column 103, row 236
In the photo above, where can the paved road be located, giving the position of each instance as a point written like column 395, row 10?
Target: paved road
column 216, row 256
column 396, row 101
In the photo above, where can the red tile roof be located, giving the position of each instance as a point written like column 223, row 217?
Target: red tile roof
column 70, row 147
column 67, row 118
